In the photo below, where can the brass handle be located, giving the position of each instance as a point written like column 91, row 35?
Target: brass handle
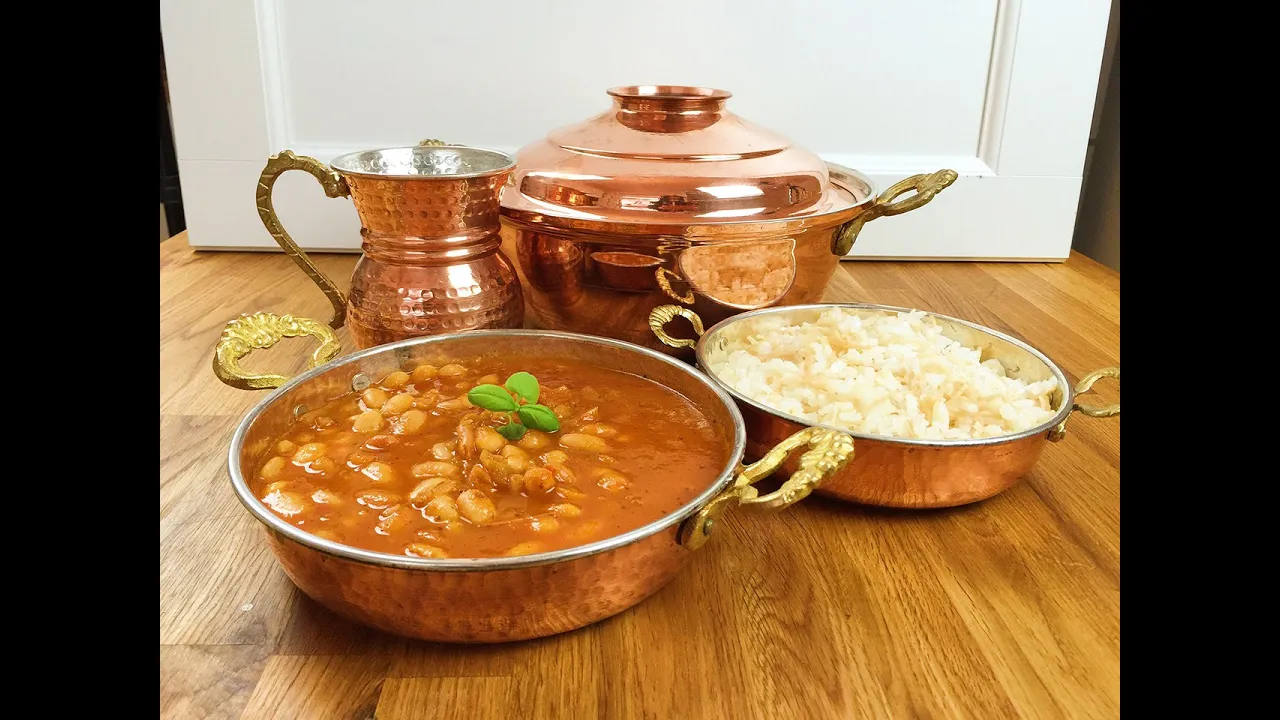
column 1097, row 411
column 925, row 186
column 662, row 274
column 334, row 186
column 432, row 143
column 828, row 452
column 1087, row 383
column 664, row 314
column 262, row 330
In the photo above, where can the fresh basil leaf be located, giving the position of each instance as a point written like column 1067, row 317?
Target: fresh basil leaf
column 512, row 431
column 491, row 397
column 538, row 417
column 524, row 385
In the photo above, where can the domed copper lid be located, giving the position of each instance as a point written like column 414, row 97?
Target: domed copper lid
column 672, row 155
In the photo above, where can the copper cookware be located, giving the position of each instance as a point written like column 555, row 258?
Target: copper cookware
column 897, row 472
column 508, row 598
column 669, row 197
column 429, row 220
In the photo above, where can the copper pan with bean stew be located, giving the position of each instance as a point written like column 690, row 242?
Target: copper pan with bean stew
column 496, row 485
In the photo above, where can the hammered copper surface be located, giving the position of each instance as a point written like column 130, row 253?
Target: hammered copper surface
column 892, row 474
column 475, row 607
column 432, row 260
column 668, row 196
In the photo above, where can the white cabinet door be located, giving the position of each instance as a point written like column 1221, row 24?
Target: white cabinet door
column 1002, row 91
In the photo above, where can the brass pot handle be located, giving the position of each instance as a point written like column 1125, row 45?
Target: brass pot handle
column 663, row 314
column 260, row 331
column 1097, row 411
column 335, row 186
column 663, row 276
column 828, row 452
column 925, row 186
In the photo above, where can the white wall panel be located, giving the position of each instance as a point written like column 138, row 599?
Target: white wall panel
column 1000, row 90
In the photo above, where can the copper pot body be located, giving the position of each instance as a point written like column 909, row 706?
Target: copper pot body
column 910, row 473
column 432, row 262
column 569, row 283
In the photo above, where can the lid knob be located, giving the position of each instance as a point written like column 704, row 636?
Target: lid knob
column 668, row 108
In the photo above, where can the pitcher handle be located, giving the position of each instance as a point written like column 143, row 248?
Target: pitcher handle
column 335, row 186
column 925, row 187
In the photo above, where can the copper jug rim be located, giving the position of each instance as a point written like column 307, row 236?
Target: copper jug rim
column 421, row 162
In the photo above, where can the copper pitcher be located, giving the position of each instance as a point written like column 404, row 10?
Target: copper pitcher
column 429, row 220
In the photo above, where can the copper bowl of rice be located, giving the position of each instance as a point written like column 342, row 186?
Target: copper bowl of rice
column 943, row 412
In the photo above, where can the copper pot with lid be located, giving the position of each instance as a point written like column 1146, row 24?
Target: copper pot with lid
column 670, row 197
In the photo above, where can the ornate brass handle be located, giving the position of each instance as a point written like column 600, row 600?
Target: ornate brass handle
column 663, row 276
column 432, row 142
column 663, row 314
column 925, row 186
column 260, row 331
column 1097, row 411
column 1087, row 383
column 334, row 186
column 828, row 452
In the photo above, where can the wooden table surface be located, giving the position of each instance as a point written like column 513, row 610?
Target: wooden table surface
column 1006, row 608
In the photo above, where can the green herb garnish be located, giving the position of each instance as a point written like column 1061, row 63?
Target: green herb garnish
column 498, row 399
column 524, row 385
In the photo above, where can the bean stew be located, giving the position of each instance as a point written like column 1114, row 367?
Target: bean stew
column 410, row 466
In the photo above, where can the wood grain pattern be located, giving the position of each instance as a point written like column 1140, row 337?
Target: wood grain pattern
column 1007, row 608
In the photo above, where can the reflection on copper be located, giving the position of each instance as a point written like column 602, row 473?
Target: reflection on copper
column 567, row 288
column 484, row 607
column 739, row 200
column 671, row 154
column 552, row 265
column 891, row 474
column 725, row 192
column 550, row 189
column 674, row 203
column 670, row 109
column 741, row 276
column 625, row 270
column 432, row 262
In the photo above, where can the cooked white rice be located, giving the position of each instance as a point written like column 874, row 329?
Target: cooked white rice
column 875, row 373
